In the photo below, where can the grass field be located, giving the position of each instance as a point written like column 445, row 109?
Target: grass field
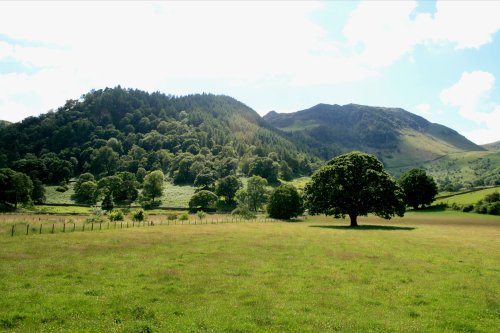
column 173, row 195
column 467, row 198
column 427, row 272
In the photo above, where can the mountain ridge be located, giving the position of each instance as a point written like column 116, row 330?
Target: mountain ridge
column 114, row 130
column 389, row 133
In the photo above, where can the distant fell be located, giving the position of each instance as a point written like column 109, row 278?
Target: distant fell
column 494, row 146
column 399, row 138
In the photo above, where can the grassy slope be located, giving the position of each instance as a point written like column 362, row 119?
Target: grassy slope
column 415, row 148
column 463, row 167
column 494, row 146
column 459, row 167
column 173, row 196
column 434, row 273
column 467, row 198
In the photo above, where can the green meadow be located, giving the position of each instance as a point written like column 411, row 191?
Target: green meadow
column 426, row 272
column 467, row 198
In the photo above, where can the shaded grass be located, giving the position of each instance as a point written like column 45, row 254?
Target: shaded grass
column 253, row 277
column 363, row 227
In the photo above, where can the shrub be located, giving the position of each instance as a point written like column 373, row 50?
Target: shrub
column 61, row 189
column 96, row 215
column 244, row 212
column 493, row 208
column 467, row 208
column 116, row 215
column 184, row 216
column 138, row 215
column 171, row 217
column 492, row 197
column 201, row 214
column 480, row 208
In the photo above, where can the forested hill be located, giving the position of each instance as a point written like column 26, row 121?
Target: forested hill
column 398, row 137
column 117, row 129
column 4, row 123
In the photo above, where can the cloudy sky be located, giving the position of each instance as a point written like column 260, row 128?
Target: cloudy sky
column 440, row 60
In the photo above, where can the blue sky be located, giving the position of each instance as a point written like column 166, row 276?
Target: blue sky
column 436, row 59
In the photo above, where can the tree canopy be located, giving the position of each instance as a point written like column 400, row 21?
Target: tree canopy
column 419, row 189
column 227, row 188
column 196, row 138
column 354, row 184
column 285, row 202
column 15, row 187
column 203, row 200
column 153, row 185
column 254, row 196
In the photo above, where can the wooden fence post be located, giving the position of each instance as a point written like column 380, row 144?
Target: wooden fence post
column 92, row 228
column 64, row 227
column 53, row 227
column 27, row 228
column 12, row 232
column 41, row 228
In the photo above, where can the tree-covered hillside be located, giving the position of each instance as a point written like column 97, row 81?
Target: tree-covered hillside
column 112, row 130
column 4, row 123
column 397, row 137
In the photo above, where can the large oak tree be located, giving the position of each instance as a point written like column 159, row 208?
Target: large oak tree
column 354, row 184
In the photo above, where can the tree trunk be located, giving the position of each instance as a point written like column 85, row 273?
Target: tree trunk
column 354, row 220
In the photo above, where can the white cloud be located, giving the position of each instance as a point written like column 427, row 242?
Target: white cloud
column 77, row 46
column 87, row 45
column 468, row 24
column 387, row 30
column 423, row 109
column 470, row 94
column 5, row 50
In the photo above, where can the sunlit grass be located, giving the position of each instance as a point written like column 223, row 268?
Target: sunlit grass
column 467, row 198
column 423, row 273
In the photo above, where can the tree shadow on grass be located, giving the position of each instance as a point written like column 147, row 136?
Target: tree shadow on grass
column 434, row 208
column 363, row 227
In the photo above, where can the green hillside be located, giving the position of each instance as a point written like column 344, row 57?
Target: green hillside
column 469, row 198
column 463, row 170
column 114, row 130
column 494, row 146
column 4, row 123
column 398, row 138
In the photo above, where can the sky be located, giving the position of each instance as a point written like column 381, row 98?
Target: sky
column 440, row 60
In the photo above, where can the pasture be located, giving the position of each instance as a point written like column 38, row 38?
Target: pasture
column 426, row 272
column 470, row 198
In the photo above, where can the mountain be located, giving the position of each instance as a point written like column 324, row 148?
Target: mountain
column 399, row 138
column 117, row 129
column 494, row 146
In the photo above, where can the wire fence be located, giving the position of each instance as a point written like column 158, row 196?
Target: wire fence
column 62, row 226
